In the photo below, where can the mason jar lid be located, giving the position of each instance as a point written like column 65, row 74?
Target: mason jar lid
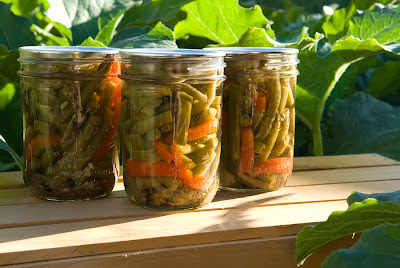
column 254, row 50
column 65, row 52
column 169, row 53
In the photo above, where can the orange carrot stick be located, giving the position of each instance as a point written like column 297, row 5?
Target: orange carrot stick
column 282, row 165
column 115, row 68
column 246, row 150
column 150, row 169
column 38, row 141
column 194, row 133
column 201, row 130
column 184, row 174
column 109, row 137
column 261, row 103
column 197, row 182
column 163, row 151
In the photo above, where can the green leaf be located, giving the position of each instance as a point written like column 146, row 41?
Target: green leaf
column 393, row 197
column 24, row 7
column 349, row 82
column 222, row 21
column 82, row 16
column 107, row 33
column 337, row 25
column 382, row 24
column 256, row 37
column 378, row 247
column 14, row 30
column 7, row 166
column 64, row 31
column 363, row 124
column 152, row 11
column 61, row 41
column 316, row 86
column 293, row 24
column 385, row 79
column 366, row 4
column 318, row 75
column 11, row 126
column 358, row 217
column 9, row 66
column 7, row 92
column 158, row 37
column 92, row 43
column 6, row 147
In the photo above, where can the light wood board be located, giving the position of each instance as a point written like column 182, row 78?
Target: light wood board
column 246, row 229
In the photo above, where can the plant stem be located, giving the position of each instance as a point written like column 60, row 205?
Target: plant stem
column 317, row 142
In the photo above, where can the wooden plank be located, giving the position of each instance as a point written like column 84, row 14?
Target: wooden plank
column 12, row 180
column 301, row 178
column 66, row 240
column 24, row 196
column 350, row 175
column 32, row 214
column 342, row 161
column 262, row 252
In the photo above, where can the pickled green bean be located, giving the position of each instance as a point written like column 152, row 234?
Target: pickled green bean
column 157, row 121
column 192, row 92
column 283, row 138
column 273, row 106
column 75, row 161
column 145, row 155
column 84, row 97
column 49, row 114
column 201, row 169
column 245, row 120
column 234, row 125
column 183, row 108
column 149, row 90
column 189, row 164
column 269, row 143
column 189, row 148
column 205, row 115
column 203, row 154
column 285, row 89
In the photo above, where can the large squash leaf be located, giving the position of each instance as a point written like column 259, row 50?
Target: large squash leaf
column 358, row 217
column 393, row 197
column 363, row 124
column 152, row 11
column 222, row 21
column 378, row 247
column 14, row 30
column 136, row 37
column 83, row 16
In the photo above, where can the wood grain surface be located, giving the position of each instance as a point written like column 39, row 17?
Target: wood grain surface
column 244, row 229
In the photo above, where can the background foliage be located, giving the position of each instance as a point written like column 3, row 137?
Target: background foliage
column 348, row 90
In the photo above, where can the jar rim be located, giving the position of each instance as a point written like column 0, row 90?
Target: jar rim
column 168, row 53
column 65, row 52
column 253, row 50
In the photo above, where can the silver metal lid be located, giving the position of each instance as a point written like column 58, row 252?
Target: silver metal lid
column 168, row 53
column 253, row 50
column 65, row 52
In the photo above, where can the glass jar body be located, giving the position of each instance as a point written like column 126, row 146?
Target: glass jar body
column 259, row 121
column 71, row 114
column 171, row 110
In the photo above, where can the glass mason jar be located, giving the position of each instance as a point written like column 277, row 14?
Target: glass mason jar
column 71, row 100
column 171, row 110
column 258, row 118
